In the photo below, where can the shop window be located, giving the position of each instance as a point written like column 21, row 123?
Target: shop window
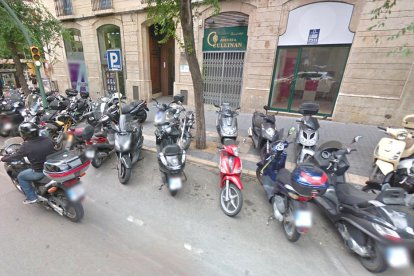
column 309, row 73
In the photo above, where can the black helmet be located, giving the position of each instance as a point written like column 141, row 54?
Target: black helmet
column 28, row 131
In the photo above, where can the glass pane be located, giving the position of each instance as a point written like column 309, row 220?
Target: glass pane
column 282, row 80
column 319, row 76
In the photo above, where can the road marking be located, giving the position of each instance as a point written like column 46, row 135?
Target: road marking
column 135, row 221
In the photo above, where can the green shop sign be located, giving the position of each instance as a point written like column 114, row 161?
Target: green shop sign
column 225, row 39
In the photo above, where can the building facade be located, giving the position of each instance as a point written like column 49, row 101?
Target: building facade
column 253, row 53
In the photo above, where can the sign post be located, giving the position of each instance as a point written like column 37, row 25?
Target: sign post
column 115, row 64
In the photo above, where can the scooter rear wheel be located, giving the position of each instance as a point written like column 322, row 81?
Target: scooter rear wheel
column 233, row 206
column 376, row 263
column 97, row 162
column 289, row 227
column 74, row 211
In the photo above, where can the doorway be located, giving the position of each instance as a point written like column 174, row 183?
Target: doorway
column 162, row 64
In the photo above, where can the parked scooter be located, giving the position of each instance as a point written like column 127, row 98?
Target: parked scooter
column 231, row 197
column 60, row 189
column 308, row 131
column 226, row 123
column 128, row 138
column 263, row 131
column 289, row 192
column 171, row 158
column 390, row 151
column 378, row 228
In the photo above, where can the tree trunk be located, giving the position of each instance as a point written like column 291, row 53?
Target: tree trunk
column 186, row 18
column 19, row 68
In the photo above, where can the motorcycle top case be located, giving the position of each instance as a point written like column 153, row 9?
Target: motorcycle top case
column 70, row 92
column 309, row 108
column 63, row 166
column 309, row 180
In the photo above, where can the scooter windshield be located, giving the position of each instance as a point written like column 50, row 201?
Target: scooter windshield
column 311, row 122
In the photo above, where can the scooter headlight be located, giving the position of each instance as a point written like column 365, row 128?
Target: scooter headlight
column 229, row 130
column 163, row 160
column 308, row 139
column 387, row 233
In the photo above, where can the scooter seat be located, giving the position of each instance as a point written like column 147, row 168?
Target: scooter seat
column 100, row 134
column 172, row 150
column 348, row 194
column 284, row 176
column 128, row 107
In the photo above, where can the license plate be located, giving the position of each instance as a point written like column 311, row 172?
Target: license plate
column 175, row 183
column 397, row 257
column 303, row 218
column 90, row 154
column 75, row 193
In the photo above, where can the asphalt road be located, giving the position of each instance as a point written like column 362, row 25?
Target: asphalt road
column 138, row 229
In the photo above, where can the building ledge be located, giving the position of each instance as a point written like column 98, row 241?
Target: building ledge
column 103, row 12
column 66, row 17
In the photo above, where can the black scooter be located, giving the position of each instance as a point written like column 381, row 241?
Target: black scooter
column 263, row 131
column 226, row 123
column 378, row 228
column 171, row 157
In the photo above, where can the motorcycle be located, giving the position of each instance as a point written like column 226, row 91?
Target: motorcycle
column 11, row 117
column 378, row 228
column 60, row 189
column 289, row 192
column 231, row 197
column 226, row 123
column 308, row 131
column 390, row 151
column 263, row 131
column 171, row 157
column 128, row 138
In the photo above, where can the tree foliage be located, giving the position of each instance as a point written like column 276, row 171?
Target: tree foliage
column 381, row 14
column 44, row 29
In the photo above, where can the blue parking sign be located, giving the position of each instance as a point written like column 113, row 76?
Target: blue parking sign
column 114, row 60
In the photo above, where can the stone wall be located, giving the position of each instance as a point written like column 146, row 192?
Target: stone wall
column 376, row 83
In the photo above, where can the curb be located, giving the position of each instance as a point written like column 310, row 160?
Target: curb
column 352, row 178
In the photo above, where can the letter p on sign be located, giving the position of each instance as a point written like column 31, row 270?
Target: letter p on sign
column 114, row 60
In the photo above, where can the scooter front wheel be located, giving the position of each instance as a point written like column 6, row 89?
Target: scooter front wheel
column 124, row 173
column 289, row 227
column 232, row 204
column 376, row 262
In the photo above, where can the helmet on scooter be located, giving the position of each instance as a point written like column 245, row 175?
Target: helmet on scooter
column 28, row 131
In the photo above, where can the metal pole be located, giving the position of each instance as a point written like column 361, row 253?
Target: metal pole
column 30, row 42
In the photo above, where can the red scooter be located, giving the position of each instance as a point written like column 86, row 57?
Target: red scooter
column 231, row 197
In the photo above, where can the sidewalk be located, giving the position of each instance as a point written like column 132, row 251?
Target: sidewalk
column 361, row 161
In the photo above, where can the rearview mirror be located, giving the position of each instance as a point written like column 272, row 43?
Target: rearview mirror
column 356, row 139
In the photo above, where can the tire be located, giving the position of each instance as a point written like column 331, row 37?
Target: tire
column 172, row 192
column 376, row 263
column 376, row 175
column 259, row 175
column 143, row 117
column 58, row 146
column 234, row 191
column 74, row 211
column 289, row 227
column 97, row 162
column 4, row 133
column 124, row 174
